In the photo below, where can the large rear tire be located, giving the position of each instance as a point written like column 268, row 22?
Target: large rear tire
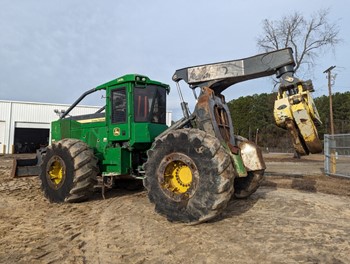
column 68, row 171
column 189, row 176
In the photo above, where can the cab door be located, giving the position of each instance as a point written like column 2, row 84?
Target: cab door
column 119, row 114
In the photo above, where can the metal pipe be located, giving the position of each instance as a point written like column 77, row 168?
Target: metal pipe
column 101, row 109
column 78, row 101
column 184, row 105
column 179, row 91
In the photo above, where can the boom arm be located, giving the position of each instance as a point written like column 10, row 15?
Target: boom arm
column 219, row 76
column 294, row 107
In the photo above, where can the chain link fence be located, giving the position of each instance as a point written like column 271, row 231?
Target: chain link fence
column 337, row 155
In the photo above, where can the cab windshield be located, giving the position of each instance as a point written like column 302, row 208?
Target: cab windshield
column 150, row 104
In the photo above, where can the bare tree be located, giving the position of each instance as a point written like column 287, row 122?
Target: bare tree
column 308, row 36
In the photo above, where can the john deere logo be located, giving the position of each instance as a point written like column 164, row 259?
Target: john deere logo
column 116, row 131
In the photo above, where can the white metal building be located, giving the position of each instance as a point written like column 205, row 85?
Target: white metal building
column 24, row 126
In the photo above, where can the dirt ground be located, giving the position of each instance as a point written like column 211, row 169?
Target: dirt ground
column 297, row 216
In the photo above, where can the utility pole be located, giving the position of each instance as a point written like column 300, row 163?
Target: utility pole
column 329, row 72
column 332, row 143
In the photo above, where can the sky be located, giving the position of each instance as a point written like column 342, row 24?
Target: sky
column 53, row 51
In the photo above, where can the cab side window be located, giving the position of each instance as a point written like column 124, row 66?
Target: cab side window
column 119, row 106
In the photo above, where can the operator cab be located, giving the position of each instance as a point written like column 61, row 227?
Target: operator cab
column 136, row 109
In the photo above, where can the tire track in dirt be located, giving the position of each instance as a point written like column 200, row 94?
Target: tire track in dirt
column 35, row 231
column 273, row 226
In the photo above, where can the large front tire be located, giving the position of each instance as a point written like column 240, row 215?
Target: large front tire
column 68, row 171
column 189, row 176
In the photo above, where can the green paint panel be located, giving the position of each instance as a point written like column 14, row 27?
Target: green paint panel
column 239, row 165
column 118, row 161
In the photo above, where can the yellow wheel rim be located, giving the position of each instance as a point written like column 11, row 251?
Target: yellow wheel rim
column 56, row 171
column 177, row 177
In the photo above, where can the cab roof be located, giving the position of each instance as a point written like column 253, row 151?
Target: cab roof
column 136, row 78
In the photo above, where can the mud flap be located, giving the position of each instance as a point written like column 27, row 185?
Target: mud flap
column 251, row 154
column 235, row 154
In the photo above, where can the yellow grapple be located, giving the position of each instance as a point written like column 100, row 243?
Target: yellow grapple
column 295, row 111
